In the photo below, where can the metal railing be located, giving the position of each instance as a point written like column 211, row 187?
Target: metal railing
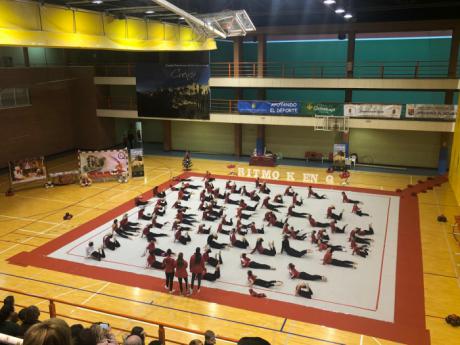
column 310, row 69
column 162, row 326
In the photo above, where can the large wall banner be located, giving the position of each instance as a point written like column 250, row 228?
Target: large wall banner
column 174, row 91
column 431, row 111
column 137, row 162
column 104, row 164
column 27, row 170
column 269, row 108
column 391, row 111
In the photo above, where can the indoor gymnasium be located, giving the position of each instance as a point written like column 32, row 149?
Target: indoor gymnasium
column 230, row 172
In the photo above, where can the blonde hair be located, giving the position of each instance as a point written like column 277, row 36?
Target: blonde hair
column 49, row 332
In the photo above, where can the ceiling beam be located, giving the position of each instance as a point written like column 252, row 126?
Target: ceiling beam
column 328, row 28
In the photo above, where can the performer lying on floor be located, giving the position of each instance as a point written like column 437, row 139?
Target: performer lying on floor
column 261, row 250
column 253, row 280
column 311, row 193
column 303, row 290
column 246, row 262
column 286, row 247
column 328, row 260
column 294, row 274
column 92, row 253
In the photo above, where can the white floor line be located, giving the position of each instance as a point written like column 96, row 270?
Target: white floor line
column 44, row 199
column 94, row 294
column 69, row 292
column 361, row 340
column 378, row 342
column 28, row 219
column 444, row 230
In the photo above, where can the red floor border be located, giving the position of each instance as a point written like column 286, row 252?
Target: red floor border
column 409, row 326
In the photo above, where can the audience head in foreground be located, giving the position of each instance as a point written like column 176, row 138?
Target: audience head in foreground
column 49, row 332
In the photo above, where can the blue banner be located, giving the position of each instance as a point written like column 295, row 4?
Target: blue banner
column 269, row 108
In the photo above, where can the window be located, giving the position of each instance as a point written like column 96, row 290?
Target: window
column 14, row 97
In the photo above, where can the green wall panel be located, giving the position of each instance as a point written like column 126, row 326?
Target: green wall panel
column 249, row 138
column 399, row 148
column 307, row 95
column 292, row 142
column 398, row 97
column 202, row 137
column 152, row 131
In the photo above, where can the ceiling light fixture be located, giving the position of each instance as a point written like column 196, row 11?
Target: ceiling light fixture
column 329, row 2
column 181, row 18
column 348, row 16
column 97, row 2
column 149, row 12
column 339, row 10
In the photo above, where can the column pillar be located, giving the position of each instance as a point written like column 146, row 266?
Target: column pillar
column 260, row 142
column 167, row 138
column 237, row 55
column 261, row 59
column 452, row 72
column 238, row 136
column 350, row 63
column 25, row 53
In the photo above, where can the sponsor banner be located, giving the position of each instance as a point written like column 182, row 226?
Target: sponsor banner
column 27, row 170
column 269, row 108
column 391, row 111
column 104, row 164
column 431, row 111
column 137, row 162
column 323, row 109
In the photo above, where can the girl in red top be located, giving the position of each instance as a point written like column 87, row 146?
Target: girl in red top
column 271, row 207
column 197, row 268
column 181, row 238
column 153, row 263
column 362, row 232
column 303, row 290
column 356, row 210
column 336, row 229
column 311, row 193
column 169, row 264
column 264, row 251
column 328, row 260
column 151, row 248
column 212, row 277
column 295, row 201
column 264, row 189
column 332, row 215
column 247, row 262
column 278, row 199
column 181, row 274
column 254, row 229
column 303, row 275
column 241, row 215
column 141, row 215
column 316, row 224
column 292, row 213
column 359, row 250
column 345, row 199
column 212, row 261
column 243, row 244
column 253, row 280
column 202, row 230
column 225, row 222
column 157, row 225
column 289, row 191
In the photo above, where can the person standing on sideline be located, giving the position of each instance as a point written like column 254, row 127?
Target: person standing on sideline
column 182, row 274
column 169, row 264
column 197, row 263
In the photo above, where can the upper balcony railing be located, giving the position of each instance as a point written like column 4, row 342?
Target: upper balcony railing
column 310, row 69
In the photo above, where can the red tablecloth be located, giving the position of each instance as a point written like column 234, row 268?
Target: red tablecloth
column 264, row 161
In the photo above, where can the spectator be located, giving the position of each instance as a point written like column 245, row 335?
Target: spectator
column 209, row 338
column 196, row 342
column 86, row 337
column 8, row 318
column 75, row 331
column 252, row 341
column 103, row 334
column 139, row 331
column 49, row 332
column 133, row 339
column 31, row 315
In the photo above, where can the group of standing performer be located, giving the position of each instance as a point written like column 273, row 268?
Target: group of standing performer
column 212, row 219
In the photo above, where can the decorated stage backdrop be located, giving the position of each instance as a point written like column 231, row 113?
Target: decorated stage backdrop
column 27, row 170
column 174, row 91
column 103, row 164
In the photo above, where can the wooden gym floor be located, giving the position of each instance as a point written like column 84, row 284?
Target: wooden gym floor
column 34, row 216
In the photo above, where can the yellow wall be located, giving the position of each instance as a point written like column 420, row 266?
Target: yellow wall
column 202, row 136
column 405, row 148
column 292, row 142
column 34, row 25
column 454, row 170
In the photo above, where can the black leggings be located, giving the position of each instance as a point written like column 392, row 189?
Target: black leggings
column 245, row 216
column 298, row 214
column 336, row 216
column 112, row 245
column 340, row 231
column 362, row 240
column 240, row 244
column 214, row 262
column 321, row 225
column 295, row 253
column 256, row 265
column 152, row 235
column 269, row 252
column 98, row 255
column 265, row 283
column 342, row 263
column 122, row 233
column 224, row 232
column 158, row 252
column 169, row 280
column 273, row 207
column 217, row 245
column 212, row 277
column 198, row 277
column 305, row 293
column 360, row 213
column 180, row 284
column 306, row 276
column 158, row 265
column 317, row 196
column 184, row 240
